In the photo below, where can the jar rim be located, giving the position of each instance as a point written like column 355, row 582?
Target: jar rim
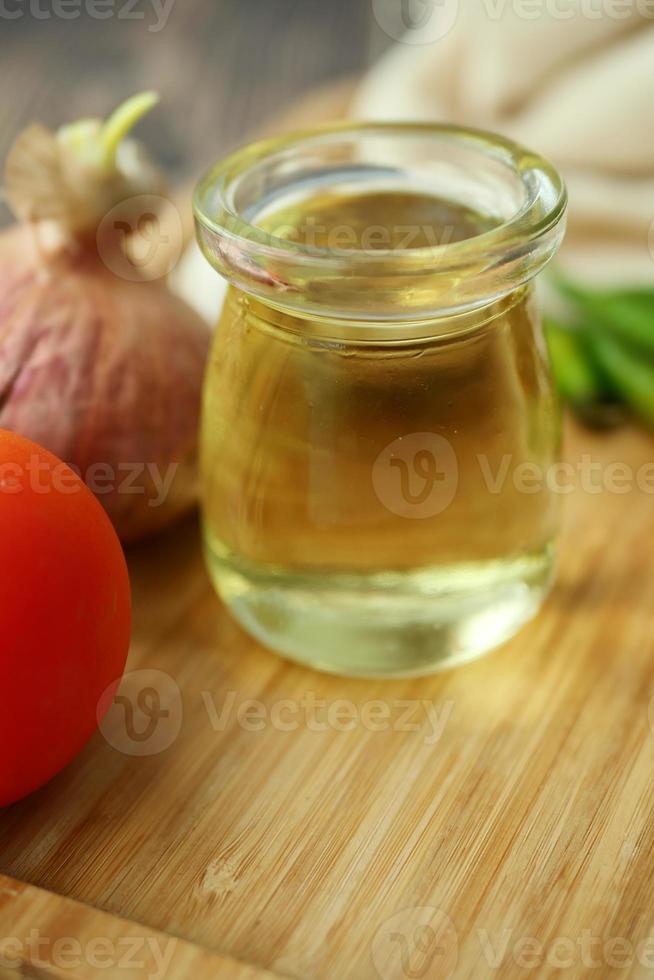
column 272, row 267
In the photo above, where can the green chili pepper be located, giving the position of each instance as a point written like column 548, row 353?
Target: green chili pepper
column 581, row 382
column 626, row 314
column 577, row 381
column 631, row 376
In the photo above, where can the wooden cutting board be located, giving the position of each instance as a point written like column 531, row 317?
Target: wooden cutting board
column 491, row 821
column 512, row 796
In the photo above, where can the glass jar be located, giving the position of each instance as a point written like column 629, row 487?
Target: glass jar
column 379, row 417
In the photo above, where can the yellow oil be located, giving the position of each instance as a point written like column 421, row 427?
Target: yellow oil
column 364, row 493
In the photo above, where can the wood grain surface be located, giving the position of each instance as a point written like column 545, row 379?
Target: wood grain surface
column 223, row 69
column 501, row 816
column 492, row 821
column 46, row 937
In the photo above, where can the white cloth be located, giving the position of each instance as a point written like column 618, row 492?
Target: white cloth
column 573, row 79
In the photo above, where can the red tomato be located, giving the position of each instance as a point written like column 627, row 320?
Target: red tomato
column 64, row 614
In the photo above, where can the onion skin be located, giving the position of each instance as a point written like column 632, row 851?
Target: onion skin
column 102, row 370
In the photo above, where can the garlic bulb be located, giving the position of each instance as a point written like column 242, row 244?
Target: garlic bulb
column 99, row 361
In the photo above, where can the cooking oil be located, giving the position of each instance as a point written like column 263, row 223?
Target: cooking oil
column 360, row 502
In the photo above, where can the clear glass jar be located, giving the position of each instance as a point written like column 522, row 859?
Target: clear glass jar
column 379, row 416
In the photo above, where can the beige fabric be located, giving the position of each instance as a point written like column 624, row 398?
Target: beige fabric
column 574, row 79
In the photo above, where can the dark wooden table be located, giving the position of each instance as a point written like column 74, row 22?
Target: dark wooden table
column 223, row 67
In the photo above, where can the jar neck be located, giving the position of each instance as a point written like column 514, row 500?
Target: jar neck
column 521, row 194
column 275, row 319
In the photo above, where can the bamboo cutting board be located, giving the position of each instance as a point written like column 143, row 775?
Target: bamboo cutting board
column 503, row 802
column 75, row 940
column 492, row 821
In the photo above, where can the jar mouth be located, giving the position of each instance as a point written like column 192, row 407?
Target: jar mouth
column 520, row 191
